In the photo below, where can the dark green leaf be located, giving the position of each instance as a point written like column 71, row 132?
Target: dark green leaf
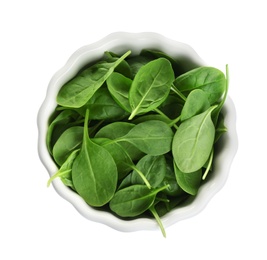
column 103, row 107
column 196, row 103
column 119, row 86
column 116, row 130
column 133, row 200
column 123, row 68
column 153, row 168
column 189, row 182
column 173, row 188
column 94, row 172
column 81, row 88
column 220, row 128
column 152, row 137
column 151, row 86
column 154, row 54
column 172, row 106
column 59, row 124
column 121, row 157
column 64, row 173
column 70, row 140
column 210, row 80
column 137, row 62
column 193, row 142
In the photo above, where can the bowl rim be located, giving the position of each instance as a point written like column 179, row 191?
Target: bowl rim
column 120, row 41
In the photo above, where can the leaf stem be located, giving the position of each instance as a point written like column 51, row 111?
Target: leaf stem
column 94, row 128
column 209, row 165
column 157, row 190
column 171, row 122
column 86, row 119
column 178, row 92
column 162, row 200
column 133, row 114
column 156, row 216
column 141, row 175
column 56, row 175
column 174, row 121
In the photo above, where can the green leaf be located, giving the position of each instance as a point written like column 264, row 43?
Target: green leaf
column 119, row 86
column 103, row 107
column 58, row 125
column 94, row 172
column 220, row 128
column 121, row 157
column 154, row 54
column 64, row 173
column 193, row 142
column 152, row 137
column 81, row 88
column 209, row 79
column 123, row 68
column 196, row 103
column 137, row 62
column 153, row 168
column 172, row 106
column 216, row 112
column 173, row 189
column 148, row 117
column 133, row 200
column 70, row 140
column 189, row 182
column 151, row 86
column 116, row 130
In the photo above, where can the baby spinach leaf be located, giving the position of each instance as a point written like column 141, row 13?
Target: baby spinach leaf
column 59, row 124
column 220, row 128
column 189, row 182
column 116, row 130
column 196, row 103
column 64, row 173
column 151, row 86
column 103, row 107
column 133, row 200
column 123, row 68
column 152, row 137
column 121, row 157
column 209, row 79
column 216, row 113
column 76, row 92
column 94, row 172
column 119, row 86
column 148, row 117
column 172, row 106
column 137, row 62
column 193, row 142
column 70, row 140
column 173, row 188
column 163, row 207
column 154, row 54
column 153, row 168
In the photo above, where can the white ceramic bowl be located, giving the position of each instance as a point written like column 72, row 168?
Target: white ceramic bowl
column 120, row 43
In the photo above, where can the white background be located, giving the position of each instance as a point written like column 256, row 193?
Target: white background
column 37, row 38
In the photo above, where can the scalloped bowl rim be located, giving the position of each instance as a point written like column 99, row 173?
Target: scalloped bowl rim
column 121, row 42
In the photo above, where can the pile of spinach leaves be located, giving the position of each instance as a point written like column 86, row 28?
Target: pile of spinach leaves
column 136, row 135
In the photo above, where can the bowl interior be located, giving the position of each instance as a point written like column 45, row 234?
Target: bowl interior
column 120, row 43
